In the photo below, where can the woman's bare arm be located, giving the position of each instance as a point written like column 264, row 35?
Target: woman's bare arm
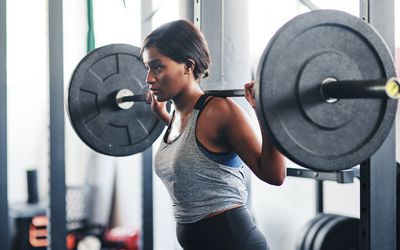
column 224, row 126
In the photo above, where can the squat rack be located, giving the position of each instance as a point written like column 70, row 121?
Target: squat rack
column 4, row 232
column 378, row 173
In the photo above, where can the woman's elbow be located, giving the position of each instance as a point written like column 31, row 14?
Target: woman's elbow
column 276, row 178
column 276, row 181
column 279, row 181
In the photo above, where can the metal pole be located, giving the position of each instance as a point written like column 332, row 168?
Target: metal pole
column 398, row 205
column 147, row 10
column 186, row 10
column 364, row 10
column 378, row 174
column 319, row 196
column 211, row 15
column 4, row 219
column 147, row 200
column 147, row 233
column 230, row 66
column 57, row 209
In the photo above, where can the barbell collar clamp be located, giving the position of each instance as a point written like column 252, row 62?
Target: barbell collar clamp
column 125, row 98
column 121, row 102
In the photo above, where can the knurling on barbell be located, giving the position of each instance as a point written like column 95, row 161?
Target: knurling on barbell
column 313, row 59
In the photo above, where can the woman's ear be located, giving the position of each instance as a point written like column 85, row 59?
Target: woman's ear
column 189, row 66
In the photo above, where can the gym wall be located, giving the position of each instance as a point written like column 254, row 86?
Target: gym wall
column 27, row 89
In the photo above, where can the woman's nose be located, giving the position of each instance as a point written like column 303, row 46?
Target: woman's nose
column 150, row 77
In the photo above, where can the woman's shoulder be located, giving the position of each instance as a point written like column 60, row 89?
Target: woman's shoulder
column 222, row 109
column 221, row 104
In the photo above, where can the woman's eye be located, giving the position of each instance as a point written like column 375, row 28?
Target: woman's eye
column 154, row 68
column 157, row 69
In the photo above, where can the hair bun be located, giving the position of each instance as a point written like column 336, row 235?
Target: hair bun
column 205, row 73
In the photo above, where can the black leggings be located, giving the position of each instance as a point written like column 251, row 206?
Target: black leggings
column 231, row 230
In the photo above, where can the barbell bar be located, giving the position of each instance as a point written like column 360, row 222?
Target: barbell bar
column 326, row 94
column 125, row 99
column 331, row 91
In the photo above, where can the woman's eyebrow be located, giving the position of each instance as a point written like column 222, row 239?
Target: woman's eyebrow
column 153, row 62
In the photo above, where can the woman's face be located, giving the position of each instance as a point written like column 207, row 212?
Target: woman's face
column 165, row 77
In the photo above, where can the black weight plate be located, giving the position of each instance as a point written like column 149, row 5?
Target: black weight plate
column 339, row 233
column 308, row 130
column 318, row 223
column 92, row 107
column 305, row 230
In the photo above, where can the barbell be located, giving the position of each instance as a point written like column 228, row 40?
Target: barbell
column 330, row 89
column 325, row 91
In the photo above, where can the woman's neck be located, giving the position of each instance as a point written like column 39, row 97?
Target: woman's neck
column 186, row 100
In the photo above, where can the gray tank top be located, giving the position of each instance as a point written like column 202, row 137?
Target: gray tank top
column 198, row 186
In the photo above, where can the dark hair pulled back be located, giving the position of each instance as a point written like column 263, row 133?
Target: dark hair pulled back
column 180, row 40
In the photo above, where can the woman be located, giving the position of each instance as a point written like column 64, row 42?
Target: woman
column 200, row 159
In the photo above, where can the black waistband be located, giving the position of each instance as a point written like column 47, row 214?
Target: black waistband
column 239, row 214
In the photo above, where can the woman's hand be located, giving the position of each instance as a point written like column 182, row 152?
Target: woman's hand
column 158, row 108
column 249, row 94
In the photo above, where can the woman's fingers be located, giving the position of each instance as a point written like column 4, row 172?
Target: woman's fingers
column 252, row 88
column 154, row 103
column 148, row 96
column 249, row 93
